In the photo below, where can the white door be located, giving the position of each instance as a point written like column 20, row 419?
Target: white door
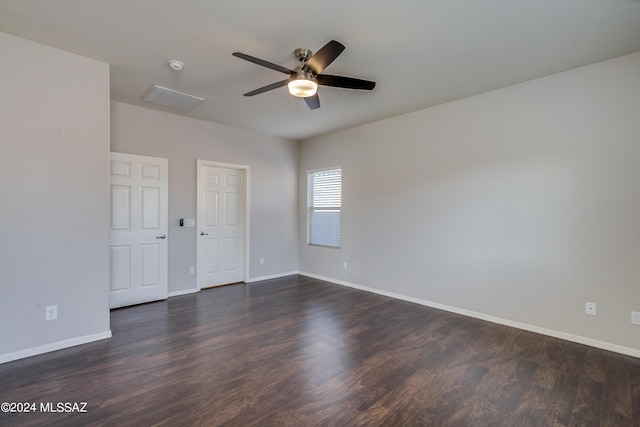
column 221, row 217
column 139, row 227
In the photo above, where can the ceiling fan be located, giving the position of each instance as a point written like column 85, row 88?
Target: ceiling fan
column 303, row 80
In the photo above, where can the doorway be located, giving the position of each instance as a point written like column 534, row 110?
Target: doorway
column 138, row 248
column 222, row 206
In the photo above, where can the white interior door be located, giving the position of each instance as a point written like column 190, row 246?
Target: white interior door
column 221, row 218
column 139, row 227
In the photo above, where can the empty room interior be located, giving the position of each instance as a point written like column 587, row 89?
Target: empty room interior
column 356, row 213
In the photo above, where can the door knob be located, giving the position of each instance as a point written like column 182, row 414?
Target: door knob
column 202, row 233
column 164, row 236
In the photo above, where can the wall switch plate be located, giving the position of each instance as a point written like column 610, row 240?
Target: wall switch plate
column 190, row 222
column 192, row 271
column 51, row 312
column 635, row 317
column 590, row 308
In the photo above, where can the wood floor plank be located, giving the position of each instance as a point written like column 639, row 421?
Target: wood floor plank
column 634, row 379
column 617, row 404
column 297, row 351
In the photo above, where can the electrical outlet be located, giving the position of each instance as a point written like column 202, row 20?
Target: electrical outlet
column 261, row 261
column 192, row 271
column 51, row 312
column 635, row 317
column 590, row 308
column 344, row 265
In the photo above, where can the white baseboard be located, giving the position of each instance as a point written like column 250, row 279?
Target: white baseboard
column 182, row 292
column 272, row 276
column 59, row 345
column 506, row 322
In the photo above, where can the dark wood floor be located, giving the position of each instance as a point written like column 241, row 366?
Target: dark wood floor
column 300, row 352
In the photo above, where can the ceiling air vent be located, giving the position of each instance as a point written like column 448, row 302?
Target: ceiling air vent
column 171, row 98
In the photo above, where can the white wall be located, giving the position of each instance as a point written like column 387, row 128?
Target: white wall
column 54, row 144
column 182, row 140
column 519, row 204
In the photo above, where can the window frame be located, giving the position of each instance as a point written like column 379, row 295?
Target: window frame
column 311, row 208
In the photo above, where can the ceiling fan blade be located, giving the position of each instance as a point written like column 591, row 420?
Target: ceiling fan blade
column 263, row 62
column 267, row 88
column 325, row 56
column 313, row 102
column 345, row 82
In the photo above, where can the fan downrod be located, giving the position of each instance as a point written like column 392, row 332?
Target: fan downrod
column 303, row 54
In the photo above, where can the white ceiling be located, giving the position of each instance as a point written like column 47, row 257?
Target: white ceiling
column 420, row 52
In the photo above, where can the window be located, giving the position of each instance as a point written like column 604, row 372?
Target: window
column 324, row 203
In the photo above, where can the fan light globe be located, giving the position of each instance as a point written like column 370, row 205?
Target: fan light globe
column 302, row 88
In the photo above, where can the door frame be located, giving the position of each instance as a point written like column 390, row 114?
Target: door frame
column 246, row 170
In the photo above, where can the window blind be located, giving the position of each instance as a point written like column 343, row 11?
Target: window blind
column 324, row 204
